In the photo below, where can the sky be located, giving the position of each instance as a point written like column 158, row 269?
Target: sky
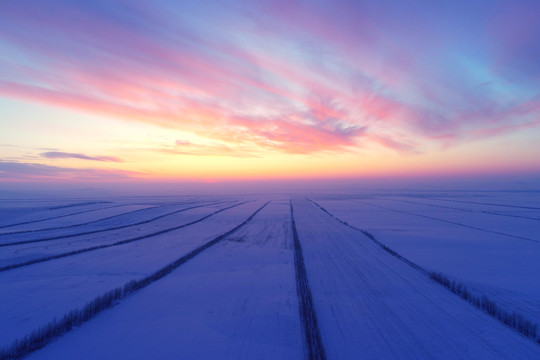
column 213, row 91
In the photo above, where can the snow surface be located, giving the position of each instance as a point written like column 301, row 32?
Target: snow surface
column 235, row 300
column 87, row 237
column 238, row 299
column 494, row 264
column 36, row 294
column 371, row 304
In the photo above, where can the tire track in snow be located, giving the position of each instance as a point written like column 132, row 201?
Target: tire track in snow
column 76, row 317
column 454, row 223
column 107, row 229
column 118, row 243
column 307, row 312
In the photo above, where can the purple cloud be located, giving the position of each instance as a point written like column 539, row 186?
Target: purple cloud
column 36, row 172
column 65, row 155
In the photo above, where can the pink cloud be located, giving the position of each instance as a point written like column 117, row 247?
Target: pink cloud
column 343, row 78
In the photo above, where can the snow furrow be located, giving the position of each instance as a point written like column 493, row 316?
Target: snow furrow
column 77, row 317
column 465, row 210
column 80, row 224
column 371, row 305
column 489, row 264
column 372, row 237
column 105, row 230
column 491, row 204
column 511, row 319
column 118, row 243
column 455, row 223
column 237, row 300
column 60, row 216
column 34, row 296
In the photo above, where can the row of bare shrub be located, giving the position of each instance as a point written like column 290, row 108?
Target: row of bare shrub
column 56, row 328
column 512, row 319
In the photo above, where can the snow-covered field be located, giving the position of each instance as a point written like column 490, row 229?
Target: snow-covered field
column 488, row 240
column 245, row 281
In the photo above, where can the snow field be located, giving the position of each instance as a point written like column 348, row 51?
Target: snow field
column 38, row 293
column 236, row 299
column 524, row 229
column 371, row 305
column 494, row 265
column 74, row 219
column 129, row 218
column 44, row 247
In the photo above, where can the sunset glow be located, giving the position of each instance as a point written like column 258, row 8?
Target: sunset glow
column 251, row 90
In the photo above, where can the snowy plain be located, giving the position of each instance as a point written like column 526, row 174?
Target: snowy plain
column 240, row 298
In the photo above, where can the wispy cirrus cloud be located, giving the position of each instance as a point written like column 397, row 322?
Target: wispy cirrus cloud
column 65, row 155
column 292, row 77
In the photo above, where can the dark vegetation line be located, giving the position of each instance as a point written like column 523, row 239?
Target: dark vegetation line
column 461, row 209
column 372, row 237
column 315, row 348
column 78, row 204
column 511, row 319
column 117, row 243
column 59, row 216
column 454, row 223
column 103, row 219
column 58, row 237
column 77, row 225
column 76, row 317
column 482, row 203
